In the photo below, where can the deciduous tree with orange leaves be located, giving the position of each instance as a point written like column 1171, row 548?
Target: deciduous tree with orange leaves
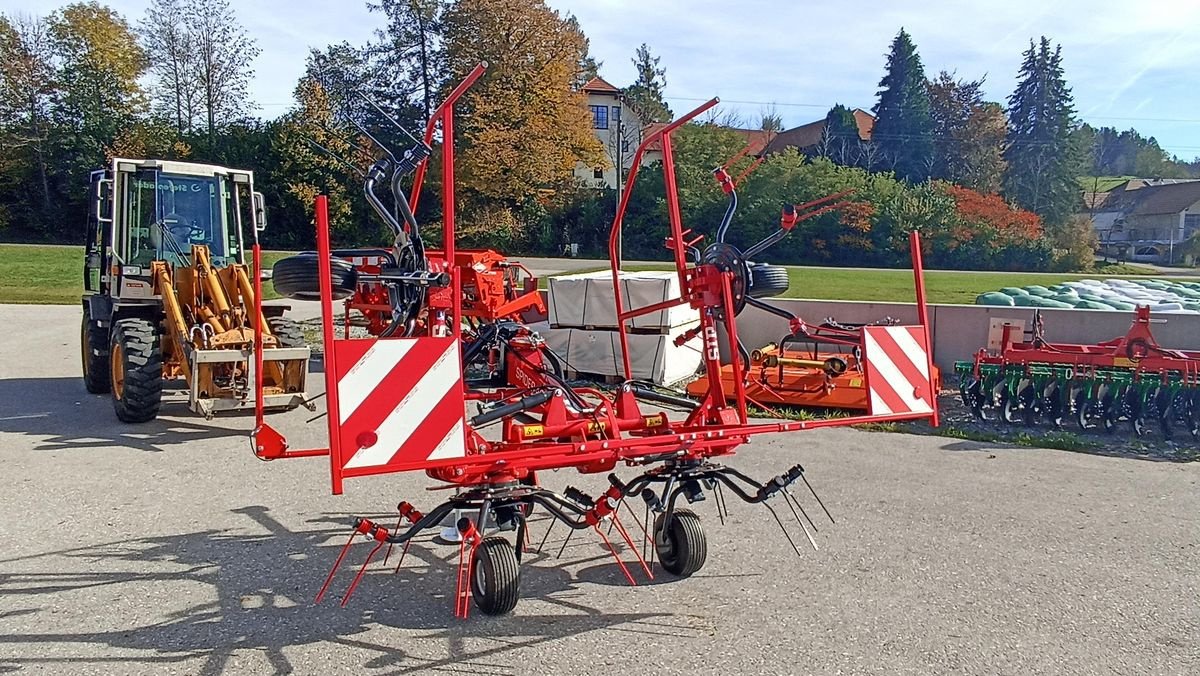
column 523, row 126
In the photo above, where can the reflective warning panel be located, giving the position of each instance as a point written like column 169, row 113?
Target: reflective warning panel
column 897, row 368
column 400, row 404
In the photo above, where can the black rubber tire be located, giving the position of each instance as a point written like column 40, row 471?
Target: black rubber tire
column 495, row 576
column 767, row 281
column 683, row 549
column 286, row 331
column 93, row 339
column 298, row 277
column 137, row 346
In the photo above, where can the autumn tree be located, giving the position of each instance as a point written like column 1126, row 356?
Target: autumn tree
column 27, row 87
column 223, row 54
column 525, row 126
column 903, row 124
column 645, row 95
column 100, row 63
column 170, row 47
column 968, row 134
column 314, row 151
column 1043, row 161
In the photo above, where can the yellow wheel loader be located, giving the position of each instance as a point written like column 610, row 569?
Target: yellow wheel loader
column 169, row 295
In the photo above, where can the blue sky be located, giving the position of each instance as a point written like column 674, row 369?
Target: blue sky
column 1129, row 64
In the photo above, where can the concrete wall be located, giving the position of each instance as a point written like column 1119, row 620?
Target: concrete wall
column 960, row 330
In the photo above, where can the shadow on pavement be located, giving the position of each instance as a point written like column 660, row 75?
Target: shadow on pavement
column 257, row 597
column 69, row 418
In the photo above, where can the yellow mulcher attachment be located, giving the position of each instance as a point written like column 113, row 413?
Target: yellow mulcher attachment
column 209, row 337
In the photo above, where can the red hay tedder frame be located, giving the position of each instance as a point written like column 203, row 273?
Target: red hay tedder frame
column 398, row 404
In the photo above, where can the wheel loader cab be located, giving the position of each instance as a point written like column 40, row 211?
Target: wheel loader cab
column 170, row 295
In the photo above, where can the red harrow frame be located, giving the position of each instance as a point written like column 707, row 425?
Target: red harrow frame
column 398, row 404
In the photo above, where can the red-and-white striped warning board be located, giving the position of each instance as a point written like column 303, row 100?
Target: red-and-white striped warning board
column 897, row 368
column 400, row 404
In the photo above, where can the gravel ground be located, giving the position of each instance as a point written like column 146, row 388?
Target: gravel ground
column 167, row 548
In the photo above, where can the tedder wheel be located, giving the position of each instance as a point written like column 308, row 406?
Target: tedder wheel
column 682, row 549
column 298, row 277
column 286, row 331
column 96, row 376
column 136, row 367
column 767, row 281
column 495, row 576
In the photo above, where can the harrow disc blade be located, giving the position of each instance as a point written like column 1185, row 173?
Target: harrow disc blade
column 1054, row 403
column 1135, row 408
column 1164, row 404
column 1110, row 408
column 1191, row 416
column 1086, row 408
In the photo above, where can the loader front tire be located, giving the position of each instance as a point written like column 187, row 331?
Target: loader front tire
column 92, row 340
column 136, row 368
column 286, row 331
column 298, row 277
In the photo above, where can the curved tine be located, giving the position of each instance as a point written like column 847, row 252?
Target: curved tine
column 374, row 140
column 387, row 117
column 746, row 497
column 767, row 307
column 432, row 518
column 728, row 218
column 376, row 204
column 767, row 242
column 333, row 156
column 574, row 523
column 404, row 208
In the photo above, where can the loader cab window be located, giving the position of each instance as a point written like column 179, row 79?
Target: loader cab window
column 168, row 213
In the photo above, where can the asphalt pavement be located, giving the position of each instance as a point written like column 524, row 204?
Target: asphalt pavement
column 168, row 548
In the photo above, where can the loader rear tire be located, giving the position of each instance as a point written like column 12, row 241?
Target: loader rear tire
column 767, row 281
column 298, row 277
column 136, row 368
column 286, row 331
column 93, row 340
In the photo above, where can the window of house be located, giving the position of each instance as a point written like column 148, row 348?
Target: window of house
column 1191, row 224
column 599, row 117
column 598, row 172
column 616, row 115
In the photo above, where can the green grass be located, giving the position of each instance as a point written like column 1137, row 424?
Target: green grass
column 941, row 286
column 54, row 274
column 42, row 274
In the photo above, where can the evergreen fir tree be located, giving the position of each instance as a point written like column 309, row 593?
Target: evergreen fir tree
column 1043, row 160
column 903, row 124
column 840, row 137
column 646, row 93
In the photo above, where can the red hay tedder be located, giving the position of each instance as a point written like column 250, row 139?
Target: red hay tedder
column 397, row 401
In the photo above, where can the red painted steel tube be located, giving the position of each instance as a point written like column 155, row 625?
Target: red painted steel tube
column 923, row 317
column 431, row 126
column 614, row 233
column 735, row 359
column 258, row 337
column 325, row 257
column 447, row 111
column 649, row 309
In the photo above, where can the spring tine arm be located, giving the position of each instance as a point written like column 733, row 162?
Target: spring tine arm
column 361, row 571
column 814, row 493
column 787, row 498
column 629, row 541
column 613, row 550
column 782, row 528
column 336, row 564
